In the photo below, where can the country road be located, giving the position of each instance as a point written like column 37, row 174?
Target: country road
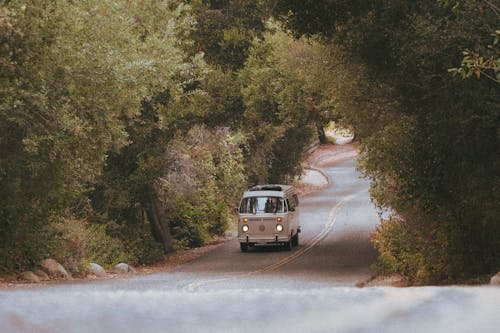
column 310, row 289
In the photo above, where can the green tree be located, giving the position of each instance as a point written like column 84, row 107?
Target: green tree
column 430, row 143
column 226, row 29
column 73, row 75
column 284, row 107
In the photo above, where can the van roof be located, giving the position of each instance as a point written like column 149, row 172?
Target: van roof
column 270, row 187
column 269, row 190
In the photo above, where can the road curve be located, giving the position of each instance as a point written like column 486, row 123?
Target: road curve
column 334, row 244
column 310, row 289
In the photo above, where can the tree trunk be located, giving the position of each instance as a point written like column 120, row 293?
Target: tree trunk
column 160, row 227
column 321, row 135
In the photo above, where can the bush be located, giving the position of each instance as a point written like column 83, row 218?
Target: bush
column 139, row 243
column 430, row 254
column 74, row 244
column 25, row 247
column 220, row 219
column 189, row 225
column 103, row 249
column 68, row 246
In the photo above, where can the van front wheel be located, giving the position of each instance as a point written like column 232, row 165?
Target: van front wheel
column 295, row 240
column 243, row 247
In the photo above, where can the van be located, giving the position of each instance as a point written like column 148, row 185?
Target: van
column 268, row 215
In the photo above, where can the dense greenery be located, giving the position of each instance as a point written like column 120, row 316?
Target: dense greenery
column 129, row 129
column 430, row 143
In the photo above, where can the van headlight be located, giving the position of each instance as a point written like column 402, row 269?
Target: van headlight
column 244, row 228
column 279, row 228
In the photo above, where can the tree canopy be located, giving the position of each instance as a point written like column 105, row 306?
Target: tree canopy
column 137, row 123
column 127, row 129
column 432, row 153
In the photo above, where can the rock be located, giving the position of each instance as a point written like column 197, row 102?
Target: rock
column 123, row 268
column 96, row 269
column 495, row 280
column 41, row 275
column 53, row 268
column 29, row 276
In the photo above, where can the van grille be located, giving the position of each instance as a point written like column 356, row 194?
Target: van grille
column 260, row 219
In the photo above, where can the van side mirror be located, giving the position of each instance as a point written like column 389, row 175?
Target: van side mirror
column 237, row 210
column 291, row 209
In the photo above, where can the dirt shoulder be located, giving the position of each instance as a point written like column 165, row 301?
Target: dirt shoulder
column 170, row 262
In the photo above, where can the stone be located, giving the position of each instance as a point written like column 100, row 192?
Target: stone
column 96, row 269
column 41, row 275
column 53, row 268
column 123, row 268
column 495, row 280
column 29, row 276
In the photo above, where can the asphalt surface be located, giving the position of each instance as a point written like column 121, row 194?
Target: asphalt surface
column 310, row 289
column 334, row 244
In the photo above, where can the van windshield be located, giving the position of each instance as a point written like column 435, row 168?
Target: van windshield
column 257, row 205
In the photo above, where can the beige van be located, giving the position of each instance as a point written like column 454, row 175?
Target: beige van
column 268, row 215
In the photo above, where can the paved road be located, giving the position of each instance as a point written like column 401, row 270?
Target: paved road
column 334, row 244
column 311, row 289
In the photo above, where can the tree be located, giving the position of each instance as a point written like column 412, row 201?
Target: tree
column 226, row 29
column 73, row 75
column 285, row 103
column 430, row 149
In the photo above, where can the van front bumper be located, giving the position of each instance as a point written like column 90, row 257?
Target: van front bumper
column 263, row 239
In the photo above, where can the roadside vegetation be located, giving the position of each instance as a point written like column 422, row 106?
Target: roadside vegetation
column 128, row 129
column 426, row 111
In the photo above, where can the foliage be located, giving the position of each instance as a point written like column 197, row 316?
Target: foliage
column 226, row 29
column 310, row 17
column 74, row 244
column 484, row 60
column 286, row 103
column 74, row 74
column 104, row 249
column 430, row 142
column 474, row 64
column 69, row 244
column 201, row 185
column 130, row 128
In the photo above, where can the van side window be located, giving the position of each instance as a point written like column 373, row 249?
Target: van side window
column 296, row 199
column 291, row 206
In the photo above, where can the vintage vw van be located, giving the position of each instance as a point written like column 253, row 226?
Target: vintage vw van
column 268, row 215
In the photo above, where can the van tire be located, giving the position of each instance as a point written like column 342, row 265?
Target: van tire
column 295, row 240
column 288, row 245
column 243, row 247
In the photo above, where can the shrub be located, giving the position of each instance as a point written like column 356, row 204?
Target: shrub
column 427, row 254
column 25, row 247
column 388, row 239
column 189, row 225
column 140, row 245
column 220, row 219
column 103, row 249
column 68, row 244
